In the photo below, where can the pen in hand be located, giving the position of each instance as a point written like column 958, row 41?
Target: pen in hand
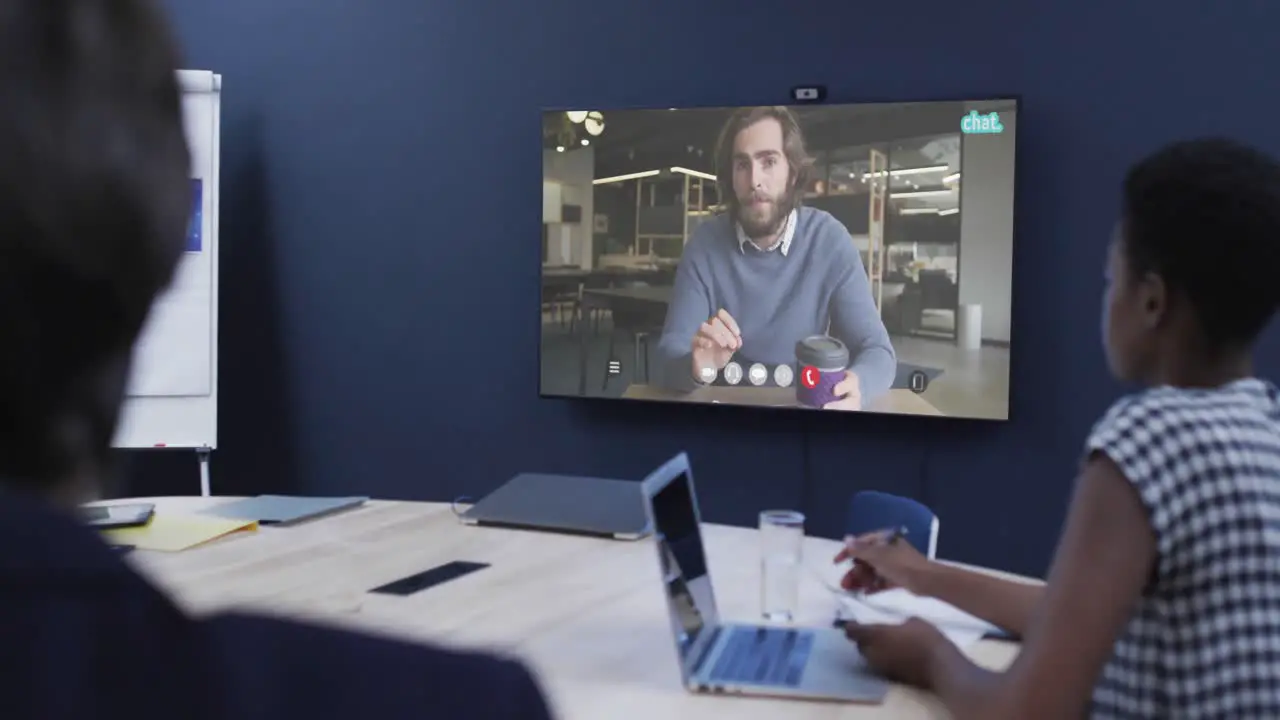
column 877, row 582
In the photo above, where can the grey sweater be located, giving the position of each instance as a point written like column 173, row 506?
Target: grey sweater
column 819, row 286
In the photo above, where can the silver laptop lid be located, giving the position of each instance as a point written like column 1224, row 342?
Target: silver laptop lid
column 676, row 523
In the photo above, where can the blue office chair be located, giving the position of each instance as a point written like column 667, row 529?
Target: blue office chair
column 870, row 511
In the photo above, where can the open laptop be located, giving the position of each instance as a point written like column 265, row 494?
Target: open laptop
column 715, row 657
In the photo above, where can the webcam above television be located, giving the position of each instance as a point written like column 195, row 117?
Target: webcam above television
column 838, row 257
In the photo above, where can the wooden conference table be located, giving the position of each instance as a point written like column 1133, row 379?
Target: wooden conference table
column 588, row 615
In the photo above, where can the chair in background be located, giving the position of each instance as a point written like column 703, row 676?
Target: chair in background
column 870, row 511
column 560, row 299
column 580, row 313
column 637, row 321
column 939, row 292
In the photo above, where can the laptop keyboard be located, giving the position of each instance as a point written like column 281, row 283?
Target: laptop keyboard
column 763, row 656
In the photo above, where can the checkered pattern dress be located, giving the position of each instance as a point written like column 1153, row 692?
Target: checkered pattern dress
column 1204, row 640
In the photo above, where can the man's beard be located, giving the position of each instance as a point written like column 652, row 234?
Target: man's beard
column 763, row 219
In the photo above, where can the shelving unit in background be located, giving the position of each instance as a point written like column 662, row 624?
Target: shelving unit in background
column 695, row 199
column 704, row 203
column 878, row 185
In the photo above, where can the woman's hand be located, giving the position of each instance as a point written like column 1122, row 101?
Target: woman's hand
column 903, row 653
column 880, row 562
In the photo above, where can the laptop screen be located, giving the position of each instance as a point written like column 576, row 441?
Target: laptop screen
column 684, row 564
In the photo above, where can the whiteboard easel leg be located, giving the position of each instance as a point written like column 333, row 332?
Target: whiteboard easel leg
column 203, row 455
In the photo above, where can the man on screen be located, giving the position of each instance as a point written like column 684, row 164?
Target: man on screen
column 768, row 273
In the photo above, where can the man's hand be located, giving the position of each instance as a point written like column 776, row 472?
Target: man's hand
column 715, row 342
column 849, row 390
column 902, row 653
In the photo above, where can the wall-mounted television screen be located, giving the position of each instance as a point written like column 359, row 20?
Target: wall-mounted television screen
column 842, row 257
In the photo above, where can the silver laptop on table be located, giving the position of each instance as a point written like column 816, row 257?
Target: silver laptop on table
column 564, row 503
column 716, row 657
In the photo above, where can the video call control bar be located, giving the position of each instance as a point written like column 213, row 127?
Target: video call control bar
column 759, row 375
column 756, row 374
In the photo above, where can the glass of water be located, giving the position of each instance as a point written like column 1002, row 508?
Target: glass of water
column 781, row 543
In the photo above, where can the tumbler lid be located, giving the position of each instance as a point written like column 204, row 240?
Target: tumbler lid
column 823, row 352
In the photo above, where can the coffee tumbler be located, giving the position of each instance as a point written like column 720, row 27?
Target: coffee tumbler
column 822, row 361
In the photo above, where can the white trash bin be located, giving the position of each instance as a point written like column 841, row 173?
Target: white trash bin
column 969, row 327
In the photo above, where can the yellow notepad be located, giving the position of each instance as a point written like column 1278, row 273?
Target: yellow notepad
column 173, row 533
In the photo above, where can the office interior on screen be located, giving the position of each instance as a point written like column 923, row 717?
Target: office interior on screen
column 625, row 190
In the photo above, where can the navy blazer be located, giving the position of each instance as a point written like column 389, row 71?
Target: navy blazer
column 83, row 636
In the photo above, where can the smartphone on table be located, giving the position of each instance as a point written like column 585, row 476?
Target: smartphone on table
column 111, row 517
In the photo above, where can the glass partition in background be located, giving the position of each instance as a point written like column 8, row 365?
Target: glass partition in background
column 849, row 169
column 841, row 171
column 669, row 207
column 922, row 228
column 926, row 178
column 923, row 235
column 703, row 203
column 659, row 215
column 840, row 185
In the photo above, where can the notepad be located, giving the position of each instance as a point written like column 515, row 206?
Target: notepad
column 898, row 605
column 284, row 509
column 174, row 533
column 894, row 607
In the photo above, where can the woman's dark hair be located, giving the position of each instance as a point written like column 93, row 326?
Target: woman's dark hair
column 94, row 201
column 1205, row 215
column 792, row 147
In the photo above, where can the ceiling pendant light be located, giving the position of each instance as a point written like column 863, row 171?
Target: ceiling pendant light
column 594, row 123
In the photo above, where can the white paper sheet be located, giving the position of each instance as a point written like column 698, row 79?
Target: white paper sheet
column 903, row 604
column 174, row 355
column 894, row 607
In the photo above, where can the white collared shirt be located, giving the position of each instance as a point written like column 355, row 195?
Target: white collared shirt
column 783, row 244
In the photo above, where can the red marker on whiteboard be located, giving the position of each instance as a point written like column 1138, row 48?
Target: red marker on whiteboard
column 158, row 445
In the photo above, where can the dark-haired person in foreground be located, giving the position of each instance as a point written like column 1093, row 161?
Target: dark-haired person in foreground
column 768, row 273
column 94, row 197
column 1164, row 598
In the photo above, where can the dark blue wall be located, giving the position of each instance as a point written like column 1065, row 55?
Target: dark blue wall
column 381, row 202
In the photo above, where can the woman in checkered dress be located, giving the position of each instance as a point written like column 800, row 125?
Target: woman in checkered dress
column 1164, row 597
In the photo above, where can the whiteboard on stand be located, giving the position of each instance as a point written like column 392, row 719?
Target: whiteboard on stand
column 172, row 396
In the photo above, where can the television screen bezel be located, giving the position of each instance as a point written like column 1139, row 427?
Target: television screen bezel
column 600, row 400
